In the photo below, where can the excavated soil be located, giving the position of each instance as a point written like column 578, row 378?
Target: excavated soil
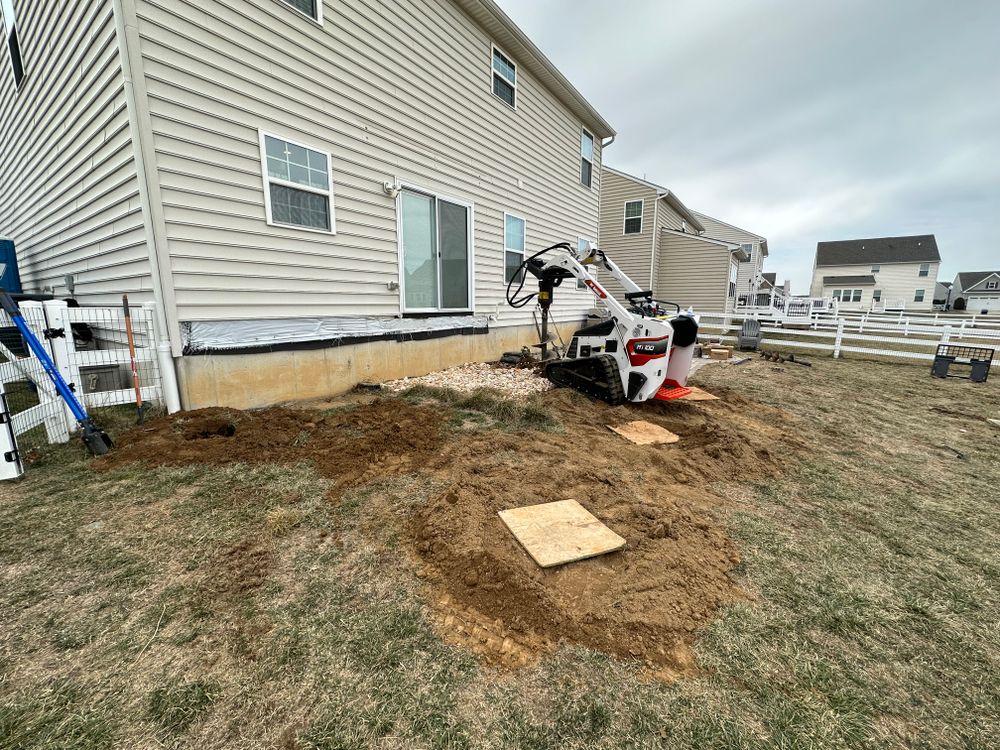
column 646, row 602
column 386, row 436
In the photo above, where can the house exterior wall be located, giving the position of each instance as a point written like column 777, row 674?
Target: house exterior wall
column 69, row 185
column 897, row 281
column 747, row 270
column 694, row 273
column 369, row 87
column 978, row 297
column 632, row 252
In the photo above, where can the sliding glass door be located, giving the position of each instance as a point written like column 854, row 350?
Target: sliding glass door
column 437, row 253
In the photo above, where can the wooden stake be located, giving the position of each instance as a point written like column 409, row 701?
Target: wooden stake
column 135, row 366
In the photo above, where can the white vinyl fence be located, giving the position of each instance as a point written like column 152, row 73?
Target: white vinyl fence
column 90, row 349
column 909, row 337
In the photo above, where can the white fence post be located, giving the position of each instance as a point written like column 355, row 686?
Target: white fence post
column 961, row 329
column 63, row 349
column 906, row 328
column 840, row 337
column 946, row 334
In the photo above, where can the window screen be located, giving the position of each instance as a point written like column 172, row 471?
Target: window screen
column 298, row 184
column 513, row 244
column 586, row 158
column 633, row 217
column 504, row 78
column 309, row 7
column 13, row 42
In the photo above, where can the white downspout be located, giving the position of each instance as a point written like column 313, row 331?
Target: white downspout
column 159, row 262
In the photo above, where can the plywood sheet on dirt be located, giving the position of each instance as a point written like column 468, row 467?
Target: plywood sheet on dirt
column 697, row 394
column 560, row 532
column 641, row 432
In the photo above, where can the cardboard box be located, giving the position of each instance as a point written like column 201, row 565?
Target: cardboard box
column 719, row 354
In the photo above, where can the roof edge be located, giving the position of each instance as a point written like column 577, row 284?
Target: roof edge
column 732, row 246
column 732, row 226
column 502, row 28
column 663, row 193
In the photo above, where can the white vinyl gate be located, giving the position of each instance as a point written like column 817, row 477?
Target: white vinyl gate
column 89, row 348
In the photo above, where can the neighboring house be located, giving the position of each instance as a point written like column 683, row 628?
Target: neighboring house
column 892, row 272
column 942, row 294
column 769, row 290
column 327, row 177
column 658, row 242
column 754, row 247
column 979, row 292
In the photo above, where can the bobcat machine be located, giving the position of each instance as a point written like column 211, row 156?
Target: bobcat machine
column 638, row 353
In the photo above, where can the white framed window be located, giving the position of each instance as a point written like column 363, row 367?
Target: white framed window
column 513, row 247
column 298, row 185
column 918, row 296
column 436, row 251
column 311, row 9
column 748, row 249
column 504, row 78
column 847, row 295
column 925, row 269
column 876, row 267
column 877, row 295
column 13, row 42
column 993, row 284
column 586, row 158
column 582, row 243
column 633, row 217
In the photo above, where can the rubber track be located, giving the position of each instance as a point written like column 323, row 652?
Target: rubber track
column 596, row 376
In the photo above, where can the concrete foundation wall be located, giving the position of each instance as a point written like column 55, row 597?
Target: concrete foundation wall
column 260, row 379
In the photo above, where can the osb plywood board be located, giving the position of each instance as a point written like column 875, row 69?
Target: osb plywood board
column 560, row 532
column 644, row 433
column 697, row 394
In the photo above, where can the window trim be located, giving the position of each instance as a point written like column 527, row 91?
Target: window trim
column 317, row 19
column 494, row 72
column 923, row 273
column 922, row 293
column 876, row 268
column 626, row 217
column 593, row 148
column 267, row 180
column 877, row 295
column 524, row 238
column 468, row 204
column 743, row 247
column 12, row 39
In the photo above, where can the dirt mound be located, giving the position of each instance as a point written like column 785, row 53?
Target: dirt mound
column 347, row 445
column 646, row 602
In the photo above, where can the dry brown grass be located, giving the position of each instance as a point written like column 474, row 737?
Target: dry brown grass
column 218, row 607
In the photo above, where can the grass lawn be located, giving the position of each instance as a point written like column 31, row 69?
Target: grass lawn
column 237, row 606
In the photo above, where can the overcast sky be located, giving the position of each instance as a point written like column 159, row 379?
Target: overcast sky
column 801, row 121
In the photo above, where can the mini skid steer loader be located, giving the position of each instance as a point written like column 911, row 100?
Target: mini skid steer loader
column 640, row 352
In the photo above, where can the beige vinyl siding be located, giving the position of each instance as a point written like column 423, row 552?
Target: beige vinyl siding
column 666, row 218
column 399, row 91
column 747, row 269
column 693, row 273
column 68, row 185
column 898, row 281
column 632, row 252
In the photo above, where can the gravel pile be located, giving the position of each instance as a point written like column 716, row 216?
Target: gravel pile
column 510, row 380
